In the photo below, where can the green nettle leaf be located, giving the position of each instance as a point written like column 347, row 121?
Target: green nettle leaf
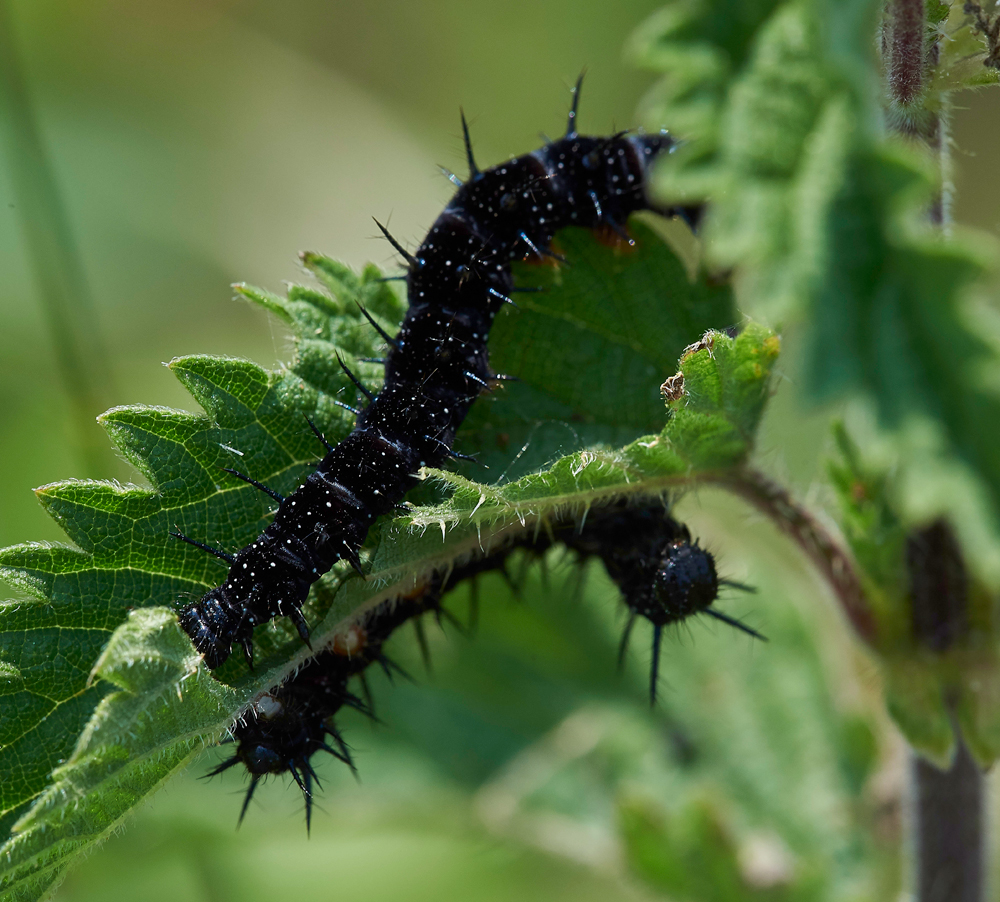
column 104, row 698
column 893, row 320
column 820, row 214
column 785, row 128
column 602, row 385
column 124, row 557
column 727, row 383
column 822, row 217
column 874, row 531
column 923, row 686
column 699, row 46
column 961, row 63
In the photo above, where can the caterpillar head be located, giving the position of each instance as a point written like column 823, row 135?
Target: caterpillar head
column 685, row 583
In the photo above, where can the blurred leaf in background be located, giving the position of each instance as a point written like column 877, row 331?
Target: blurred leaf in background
column 821, row 214
column 830, row 203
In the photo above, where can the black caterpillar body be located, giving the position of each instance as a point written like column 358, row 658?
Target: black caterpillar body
column 663, row 575
column 457, row 281
column 284, row 728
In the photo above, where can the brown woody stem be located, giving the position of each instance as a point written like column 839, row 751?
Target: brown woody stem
column 819, row 545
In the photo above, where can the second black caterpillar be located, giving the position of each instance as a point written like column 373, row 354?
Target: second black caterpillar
column 664, row 577
column 457, row 281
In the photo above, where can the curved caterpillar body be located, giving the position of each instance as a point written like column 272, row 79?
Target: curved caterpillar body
column 284, row 728
column 457, row 281
column 663, row 575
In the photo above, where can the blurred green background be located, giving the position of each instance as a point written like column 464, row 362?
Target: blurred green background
column 198, row 144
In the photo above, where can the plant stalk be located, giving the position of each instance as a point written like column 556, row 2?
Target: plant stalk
column 947, row 824
column 949, row 830
column 949, row 827
column 820, row 546
column 903, row 49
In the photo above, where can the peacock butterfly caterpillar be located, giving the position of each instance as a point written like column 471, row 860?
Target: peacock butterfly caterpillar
column 436, row 366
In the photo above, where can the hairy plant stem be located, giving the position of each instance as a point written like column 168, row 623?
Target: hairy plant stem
column 59, row 274
column 947, row 824
column 948, row 811
column 903, row 49
column 820, row 546
column 947, row 805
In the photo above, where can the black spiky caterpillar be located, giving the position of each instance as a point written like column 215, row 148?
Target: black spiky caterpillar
column 663, row 575
column 437, row 365
column 282, row 729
